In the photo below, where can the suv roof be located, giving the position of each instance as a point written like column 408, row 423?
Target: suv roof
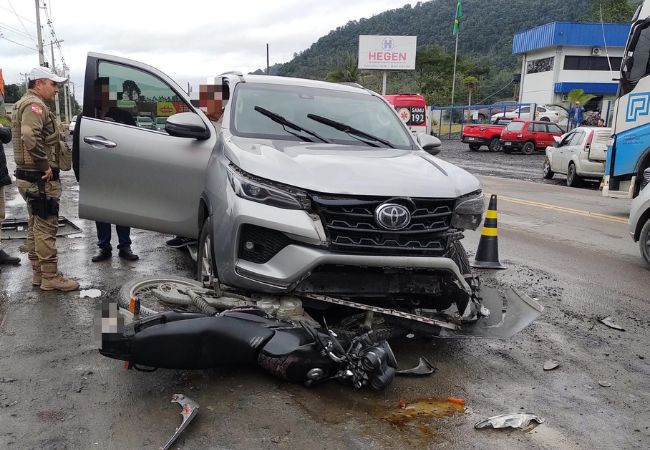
column 288, row 81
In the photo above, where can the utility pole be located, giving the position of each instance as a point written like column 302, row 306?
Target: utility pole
column 41, row 55
column 56, row 96
column 268, row 69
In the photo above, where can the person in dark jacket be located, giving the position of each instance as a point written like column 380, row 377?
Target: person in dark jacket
column 5, row 180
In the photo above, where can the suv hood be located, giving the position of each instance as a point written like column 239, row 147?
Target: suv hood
column 352, row 170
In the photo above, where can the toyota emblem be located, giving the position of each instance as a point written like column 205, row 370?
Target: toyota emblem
column 392, row 216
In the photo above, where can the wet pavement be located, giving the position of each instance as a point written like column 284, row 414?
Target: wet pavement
column 57, row 392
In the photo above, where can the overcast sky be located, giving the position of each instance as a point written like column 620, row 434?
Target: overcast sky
column 190, row 41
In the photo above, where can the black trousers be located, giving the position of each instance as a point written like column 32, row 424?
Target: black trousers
column 104, row 236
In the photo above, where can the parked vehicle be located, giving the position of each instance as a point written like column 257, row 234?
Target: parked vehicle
column 578, row 154
column 640, row 218
column 160, row 123
column 543, row 113
column 303, row 189
column 528, row 136
column 73, row 123
column 629, row 154
column 484, row 134
column 412, row 109
column 145, row 122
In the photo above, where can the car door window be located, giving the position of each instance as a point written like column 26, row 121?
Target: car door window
column 133, row 97
column 567, row 140
column 577, row 138
column 531, row 127
column 540, row 109
column 552, row 128
column 524, row 110
column 539, row 128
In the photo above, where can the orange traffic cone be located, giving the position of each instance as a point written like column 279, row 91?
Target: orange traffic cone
column 487, row 254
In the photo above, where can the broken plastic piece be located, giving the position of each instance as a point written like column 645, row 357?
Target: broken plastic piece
column 605, row 384
column 520, row 421
column 189, row 411
column 90, row 293
column 551, row 364
column 423, row 368
column 610, row 323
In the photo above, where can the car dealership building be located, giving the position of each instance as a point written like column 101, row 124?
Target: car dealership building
column 561, row 56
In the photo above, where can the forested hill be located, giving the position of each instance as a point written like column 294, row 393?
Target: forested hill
column 487, row 30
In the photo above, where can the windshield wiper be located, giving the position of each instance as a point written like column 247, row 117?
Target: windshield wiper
column 286, row 123
column 350, row 130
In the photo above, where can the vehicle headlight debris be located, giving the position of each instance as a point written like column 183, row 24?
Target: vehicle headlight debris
column 469, row 210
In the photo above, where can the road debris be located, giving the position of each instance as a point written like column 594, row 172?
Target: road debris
column 189, row 411
column 423, row 368
column 456, row 401
column 517, row 420
column 7, row 380
column 551, row 364
column 605, row 384
column 608, row 321
column 420, row 412
column 90, row 293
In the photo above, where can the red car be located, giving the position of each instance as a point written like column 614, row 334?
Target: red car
column 528, row 136
column 484, row 134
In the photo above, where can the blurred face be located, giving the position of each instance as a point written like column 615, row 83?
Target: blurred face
column 46, row 89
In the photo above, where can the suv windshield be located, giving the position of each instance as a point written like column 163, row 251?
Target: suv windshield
column 363, row 112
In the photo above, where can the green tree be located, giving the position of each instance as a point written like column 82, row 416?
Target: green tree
column 471, row 83
column 13, row 92
column 619, row 11
column 578, row 95
column 130, row 87
column 348, row 72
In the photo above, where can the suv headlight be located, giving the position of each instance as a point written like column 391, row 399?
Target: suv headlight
column 264, row 191
column 468, row 212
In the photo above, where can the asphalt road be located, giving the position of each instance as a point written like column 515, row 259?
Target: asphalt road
column 568, row 248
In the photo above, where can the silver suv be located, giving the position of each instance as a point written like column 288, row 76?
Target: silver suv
column 301, row 186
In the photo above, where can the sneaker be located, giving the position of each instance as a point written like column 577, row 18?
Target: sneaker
column 58, row 282
column 102, row 255
column 179, row 241
column 6, row 259
column 126, row 253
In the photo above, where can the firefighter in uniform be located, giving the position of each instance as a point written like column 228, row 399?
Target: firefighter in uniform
column 41, row 153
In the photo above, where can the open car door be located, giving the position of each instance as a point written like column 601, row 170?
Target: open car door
column 135, row 175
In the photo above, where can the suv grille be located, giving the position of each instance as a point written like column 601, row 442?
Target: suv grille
column 351, row 226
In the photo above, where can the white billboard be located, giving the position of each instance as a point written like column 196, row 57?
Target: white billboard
column 387, row 52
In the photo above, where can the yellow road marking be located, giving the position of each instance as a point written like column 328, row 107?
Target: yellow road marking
column 489, row 231
column 579, row 212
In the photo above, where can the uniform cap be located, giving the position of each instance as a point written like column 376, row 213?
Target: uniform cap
column 45, row 73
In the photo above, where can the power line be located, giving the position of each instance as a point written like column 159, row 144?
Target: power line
column 15, row 30
column 20, row 20
column 22, row 17
column 2, row 36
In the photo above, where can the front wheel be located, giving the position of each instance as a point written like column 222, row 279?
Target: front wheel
column 545, row 119
column 456, row 252
column 494, row 145
column 572, row 178
column 144, row 290
column 206, row 272
column 547, row 172
column 528, row 148
column 644, row 242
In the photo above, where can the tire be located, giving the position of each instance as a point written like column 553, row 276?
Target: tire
column 456, row 252
column 644, row 242
column 528, row 148
column 494, row 145
column 547, row 172
column 572, row 178
column 474, row 147
column 138, row 287
column 206, row 269
column 545, row 119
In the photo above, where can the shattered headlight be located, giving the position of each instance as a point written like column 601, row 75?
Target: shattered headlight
column 264, row 191
column 468, row 212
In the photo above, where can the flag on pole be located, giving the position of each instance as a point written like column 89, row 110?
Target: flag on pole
column 459, row 15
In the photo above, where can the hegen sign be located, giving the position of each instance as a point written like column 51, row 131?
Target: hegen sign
column 387, row 52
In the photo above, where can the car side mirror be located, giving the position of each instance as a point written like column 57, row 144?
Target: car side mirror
column 188, row 125
column 430, row 144
column 558, row 141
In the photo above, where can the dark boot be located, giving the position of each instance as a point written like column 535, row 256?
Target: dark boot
column 6, row 259
column 126, row 253
column 103, row 255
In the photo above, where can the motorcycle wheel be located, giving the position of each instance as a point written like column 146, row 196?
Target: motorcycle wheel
column 141, row 289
